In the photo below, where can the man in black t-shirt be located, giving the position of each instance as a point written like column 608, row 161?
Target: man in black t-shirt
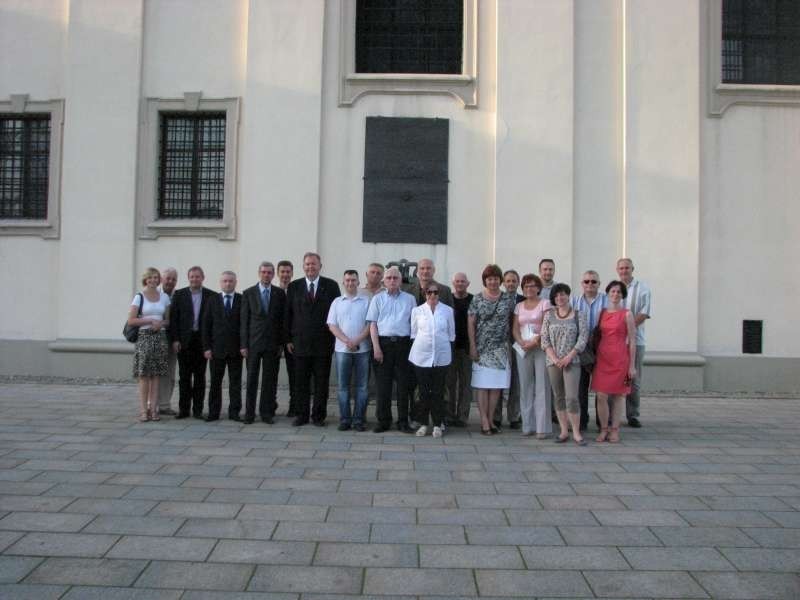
column 459, row 375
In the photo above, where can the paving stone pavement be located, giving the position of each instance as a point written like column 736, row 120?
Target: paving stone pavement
column 702, row 502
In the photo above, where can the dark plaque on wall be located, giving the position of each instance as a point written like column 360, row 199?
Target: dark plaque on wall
column 405, row 180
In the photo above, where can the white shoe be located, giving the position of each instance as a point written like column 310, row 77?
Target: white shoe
column 437, row 432
column 422, row 431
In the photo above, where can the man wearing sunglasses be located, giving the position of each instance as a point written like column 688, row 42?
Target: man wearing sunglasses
column 592, row 301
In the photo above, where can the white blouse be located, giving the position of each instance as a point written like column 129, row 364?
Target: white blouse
column 152, row 311
column 432, row 332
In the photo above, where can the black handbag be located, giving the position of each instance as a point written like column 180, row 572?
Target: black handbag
column 131, row 332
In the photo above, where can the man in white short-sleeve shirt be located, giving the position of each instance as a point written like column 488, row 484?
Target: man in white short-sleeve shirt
column 638, row 302
column 347, row 320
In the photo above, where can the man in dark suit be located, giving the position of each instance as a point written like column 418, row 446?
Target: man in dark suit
column 310, row 340
column 221, row 345
column 262, row 333
column 186, row 314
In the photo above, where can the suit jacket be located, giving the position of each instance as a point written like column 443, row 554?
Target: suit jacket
column 445, row 295
column 221, row 331
column 261, row 331
column 306, row 321
column 182, row 314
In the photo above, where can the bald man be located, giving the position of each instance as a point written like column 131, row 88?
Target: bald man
column 169, row 279
column 459, row 375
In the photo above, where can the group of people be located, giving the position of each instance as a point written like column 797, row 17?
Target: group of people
column 429, row 347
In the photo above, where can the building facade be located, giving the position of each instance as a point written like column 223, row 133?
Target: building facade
column 580, row 130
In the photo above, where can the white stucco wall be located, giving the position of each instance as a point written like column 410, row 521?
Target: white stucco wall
column 749, row 222
column 36, row 30
column 590, row 140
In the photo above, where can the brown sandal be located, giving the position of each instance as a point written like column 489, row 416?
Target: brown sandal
column 613, row 437
column 144, row 417
column 603, row 435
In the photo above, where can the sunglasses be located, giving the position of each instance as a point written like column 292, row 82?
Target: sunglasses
column 588, row 281
column 431, row 292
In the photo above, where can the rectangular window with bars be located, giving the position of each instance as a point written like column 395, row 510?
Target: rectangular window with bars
column 761, row 42
column 191, row 174
column 24, row 165
column 409, row 36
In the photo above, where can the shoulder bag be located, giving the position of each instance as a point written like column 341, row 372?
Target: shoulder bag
column 131, row 332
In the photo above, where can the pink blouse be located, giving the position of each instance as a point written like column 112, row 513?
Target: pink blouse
column 533, row 317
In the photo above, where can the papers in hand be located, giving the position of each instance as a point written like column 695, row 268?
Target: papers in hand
column 527, row 334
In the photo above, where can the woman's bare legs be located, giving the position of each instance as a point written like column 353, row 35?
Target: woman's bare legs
column 152, row 396
column 144, row 390
column 602, row 416
column 494, row 398
column 617, row 407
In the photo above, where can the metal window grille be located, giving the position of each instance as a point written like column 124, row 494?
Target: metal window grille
column 761, row 41
column 409, row 36
column 191, row 182
column 24, row 165
column 752, row 337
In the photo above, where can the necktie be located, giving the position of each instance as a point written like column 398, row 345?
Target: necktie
column 265, row 299
column 227, row 304
column 311, row 291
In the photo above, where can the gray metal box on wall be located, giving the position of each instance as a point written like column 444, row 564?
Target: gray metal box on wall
column 405, row 180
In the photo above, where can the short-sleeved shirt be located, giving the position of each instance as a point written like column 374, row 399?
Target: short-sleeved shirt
column 638, row 302
column 532, row 318
column 562, row 335
column 350, row 315
column 152, row 311
column 492, row 327
column 592, row 309
column 392, row 313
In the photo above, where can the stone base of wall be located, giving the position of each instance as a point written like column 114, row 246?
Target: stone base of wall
column 664, row 371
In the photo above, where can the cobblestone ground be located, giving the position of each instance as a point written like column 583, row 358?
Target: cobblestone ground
column 703, row 502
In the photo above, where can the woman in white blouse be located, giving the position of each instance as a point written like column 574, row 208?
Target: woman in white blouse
column 150, row 311
column 433, row 330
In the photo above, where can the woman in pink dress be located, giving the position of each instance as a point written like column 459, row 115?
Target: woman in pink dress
column 616, row 355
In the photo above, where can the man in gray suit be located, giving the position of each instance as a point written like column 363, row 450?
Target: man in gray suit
column 262, row 335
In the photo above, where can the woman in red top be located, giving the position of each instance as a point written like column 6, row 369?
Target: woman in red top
column 616, row 356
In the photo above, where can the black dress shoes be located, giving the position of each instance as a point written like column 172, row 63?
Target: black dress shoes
column 268, row 420
column 235, row 418
column 248, row 420
column 182, row 416
column 209, row 419
column 634, row 422
column 319, row 423
column 197, row 415
column 405, row 428
column 299, row 422
column 380, row 428
column 515, row 425
column 343, row 426
column 359, row 427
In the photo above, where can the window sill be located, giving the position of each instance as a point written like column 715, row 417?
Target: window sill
column 190, row 228
column 40, row 227
column 461, row 87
